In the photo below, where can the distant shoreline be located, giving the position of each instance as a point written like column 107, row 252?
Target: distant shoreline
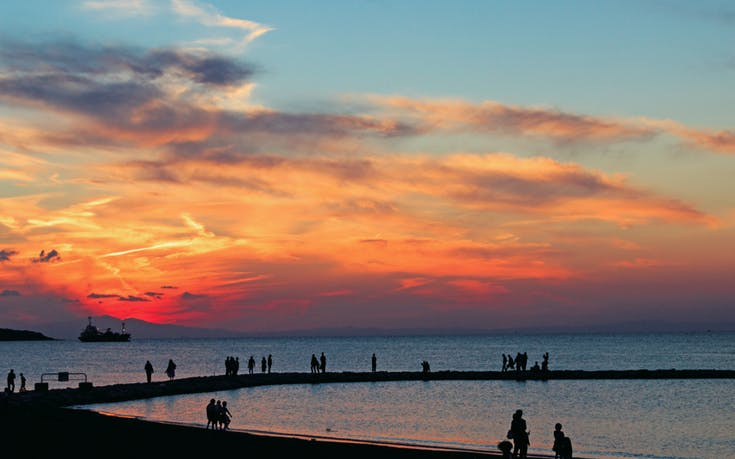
column 7, row 334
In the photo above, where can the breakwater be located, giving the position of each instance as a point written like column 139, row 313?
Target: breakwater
column 136, row 391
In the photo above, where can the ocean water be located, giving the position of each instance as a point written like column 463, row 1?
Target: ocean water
column 605, row 419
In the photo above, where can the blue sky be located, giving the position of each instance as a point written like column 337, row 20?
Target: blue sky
column 628, row 58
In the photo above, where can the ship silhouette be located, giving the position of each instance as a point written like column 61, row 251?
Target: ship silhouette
column 92, row 334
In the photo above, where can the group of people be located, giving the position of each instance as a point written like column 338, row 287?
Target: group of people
column 318, row 365
column 11, row 382
column 520, row 435
column 218, row 415
column 170, row 370
column 520, row 362
column 265, row 364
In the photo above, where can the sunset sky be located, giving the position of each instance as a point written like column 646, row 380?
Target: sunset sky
column 274, row 165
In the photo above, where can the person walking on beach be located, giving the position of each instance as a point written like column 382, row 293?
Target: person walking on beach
column 11, row 380
column 148, row 370
column 270, row 363
column 374, row 363
column 171, row 369
column 211, row 414
column 225, row 416
column 22, row 383
column 520, row 435
column 323, row 362
column 558, row 439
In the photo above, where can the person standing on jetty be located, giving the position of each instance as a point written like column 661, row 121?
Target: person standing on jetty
column 263, row 365
column 323, row 362
column 270, row 363
column 251, row 364
column 148, row 370
column 22, row 383
column 374, row 363
column 171, row 369
column 314, row 364
column 520, row 435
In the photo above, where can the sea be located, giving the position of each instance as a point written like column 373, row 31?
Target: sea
column 605, row 419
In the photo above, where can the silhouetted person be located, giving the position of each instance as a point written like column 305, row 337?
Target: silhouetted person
column 323, row 363
column 525, row 360
column 218, row 415
column 270, row 363
column 11, row 380
column 263, row 365
column 520, row 435
column 545, row 362
column 566, row 448
column 558, row 439
column 171, row 369
column 314, row 364
column 505, row 363
column 251, row 364
column 425, row 367
column 505, row 448
column 22, row 383
column 374, row 361
column 236, row 366
column 535, row 368
column 211, row 414
column 225, row 416
column 511, row 363
column 148, row 370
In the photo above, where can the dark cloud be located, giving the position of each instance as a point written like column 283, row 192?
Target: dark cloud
column 103, row 295
column 506, row 188
column 132, row 298
column 191, row 296
column 10, row 293
column 49, row 257
column 129, row 92
column 5, row 254
column 73, row 58
column 169, row 286
column 156, row 295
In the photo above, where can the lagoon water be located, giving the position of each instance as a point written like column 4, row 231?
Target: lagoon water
column 605, row 419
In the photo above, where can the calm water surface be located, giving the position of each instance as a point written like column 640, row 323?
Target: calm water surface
column 605, row 419
column 652, row 419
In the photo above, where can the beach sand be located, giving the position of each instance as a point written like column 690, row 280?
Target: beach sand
column 33, row 432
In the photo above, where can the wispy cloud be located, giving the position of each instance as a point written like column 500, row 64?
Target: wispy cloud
column 210, row 16
column 490, row 116
column 117, row 8
column 7, row 292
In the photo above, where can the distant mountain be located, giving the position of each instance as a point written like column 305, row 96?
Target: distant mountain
column 6, row 334
column 138, row 329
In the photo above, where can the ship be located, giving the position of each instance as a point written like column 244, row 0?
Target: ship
column 92, row 334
